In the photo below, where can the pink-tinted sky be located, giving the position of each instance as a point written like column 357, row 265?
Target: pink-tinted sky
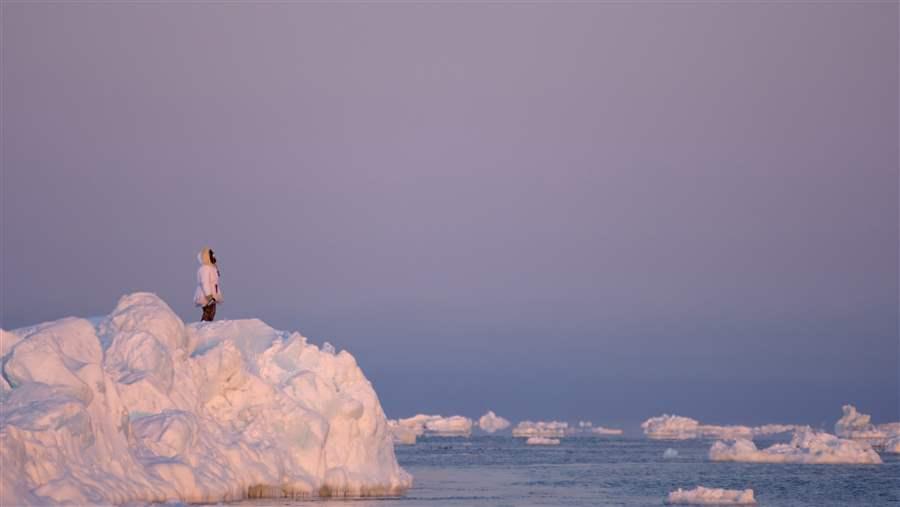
column 580, row 210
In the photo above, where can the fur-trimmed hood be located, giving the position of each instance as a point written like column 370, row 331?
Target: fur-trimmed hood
column 205, row 256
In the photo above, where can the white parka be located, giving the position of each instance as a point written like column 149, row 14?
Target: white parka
column 207, row 280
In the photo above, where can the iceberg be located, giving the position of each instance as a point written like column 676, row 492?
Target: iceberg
column 491, row 422
column 858, row 426
column 892, row 445
column 588, row 428
column 551, row 429
column 456, row 425
column 671, row 427
column 711, row 496
column 402, row 435
column 674, row 427
column 807, row 447
column 600, row 430
column 139, row 407
column 436, row 425
column 542, row 441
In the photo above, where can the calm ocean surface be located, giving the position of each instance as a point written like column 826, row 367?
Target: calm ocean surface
column 581, row 471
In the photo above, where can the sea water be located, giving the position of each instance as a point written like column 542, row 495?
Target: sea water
column 626, row 471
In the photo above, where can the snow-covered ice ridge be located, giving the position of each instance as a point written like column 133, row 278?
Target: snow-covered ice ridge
column 808, row 447
column 674, row 427
column 141, row 407
column 857, row 426
column 436, row 425
column 711, row 496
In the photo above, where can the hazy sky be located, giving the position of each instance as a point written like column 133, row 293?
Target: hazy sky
column 586, row 210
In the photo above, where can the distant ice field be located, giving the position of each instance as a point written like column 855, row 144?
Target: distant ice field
column 496, row 471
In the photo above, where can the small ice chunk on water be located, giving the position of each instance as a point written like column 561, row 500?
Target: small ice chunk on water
column 542, row 441
column 600, row 430
column 670, row 453
column 711, row 496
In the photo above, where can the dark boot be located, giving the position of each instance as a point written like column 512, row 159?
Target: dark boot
column 209, row 313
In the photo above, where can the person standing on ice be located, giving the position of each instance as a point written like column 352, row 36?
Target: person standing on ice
column 207, row 293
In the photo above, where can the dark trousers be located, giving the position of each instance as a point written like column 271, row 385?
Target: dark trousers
column 209, row 312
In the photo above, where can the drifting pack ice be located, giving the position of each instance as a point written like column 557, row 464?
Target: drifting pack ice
column 807, row 447
column 547, row 429
column 542, row 441
column 435, row 425
column 858, row 426
column 140, row 407
column 674, row 427
column 711, row 496
column 491, row 422
column 587, row 427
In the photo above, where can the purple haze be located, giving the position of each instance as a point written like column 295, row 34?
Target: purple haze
column 576, row 210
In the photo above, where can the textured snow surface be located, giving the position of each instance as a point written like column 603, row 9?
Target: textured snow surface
column 711, row 496
column 805, row 447
column 674, row 427
column 491, row 422
column 437, row 425
column 540, row 429
column 858, row 426
column 141, row 407
column 542, row 441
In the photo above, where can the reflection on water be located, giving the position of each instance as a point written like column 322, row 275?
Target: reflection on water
column 502, row 471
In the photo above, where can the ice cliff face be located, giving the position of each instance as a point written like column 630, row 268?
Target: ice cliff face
column 141, row 407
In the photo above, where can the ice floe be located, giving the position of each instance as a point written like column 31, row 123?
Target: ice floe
column 858, row 426
column 542, row 441
column 711, row 496
column 402, row 435
column 143, row 408
column 805, row 447
column 600, row 430
column 892, row 445
column 674, row 427
column 491, row 422
column 437, row 425
column 670, row 427
column 554, row 429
